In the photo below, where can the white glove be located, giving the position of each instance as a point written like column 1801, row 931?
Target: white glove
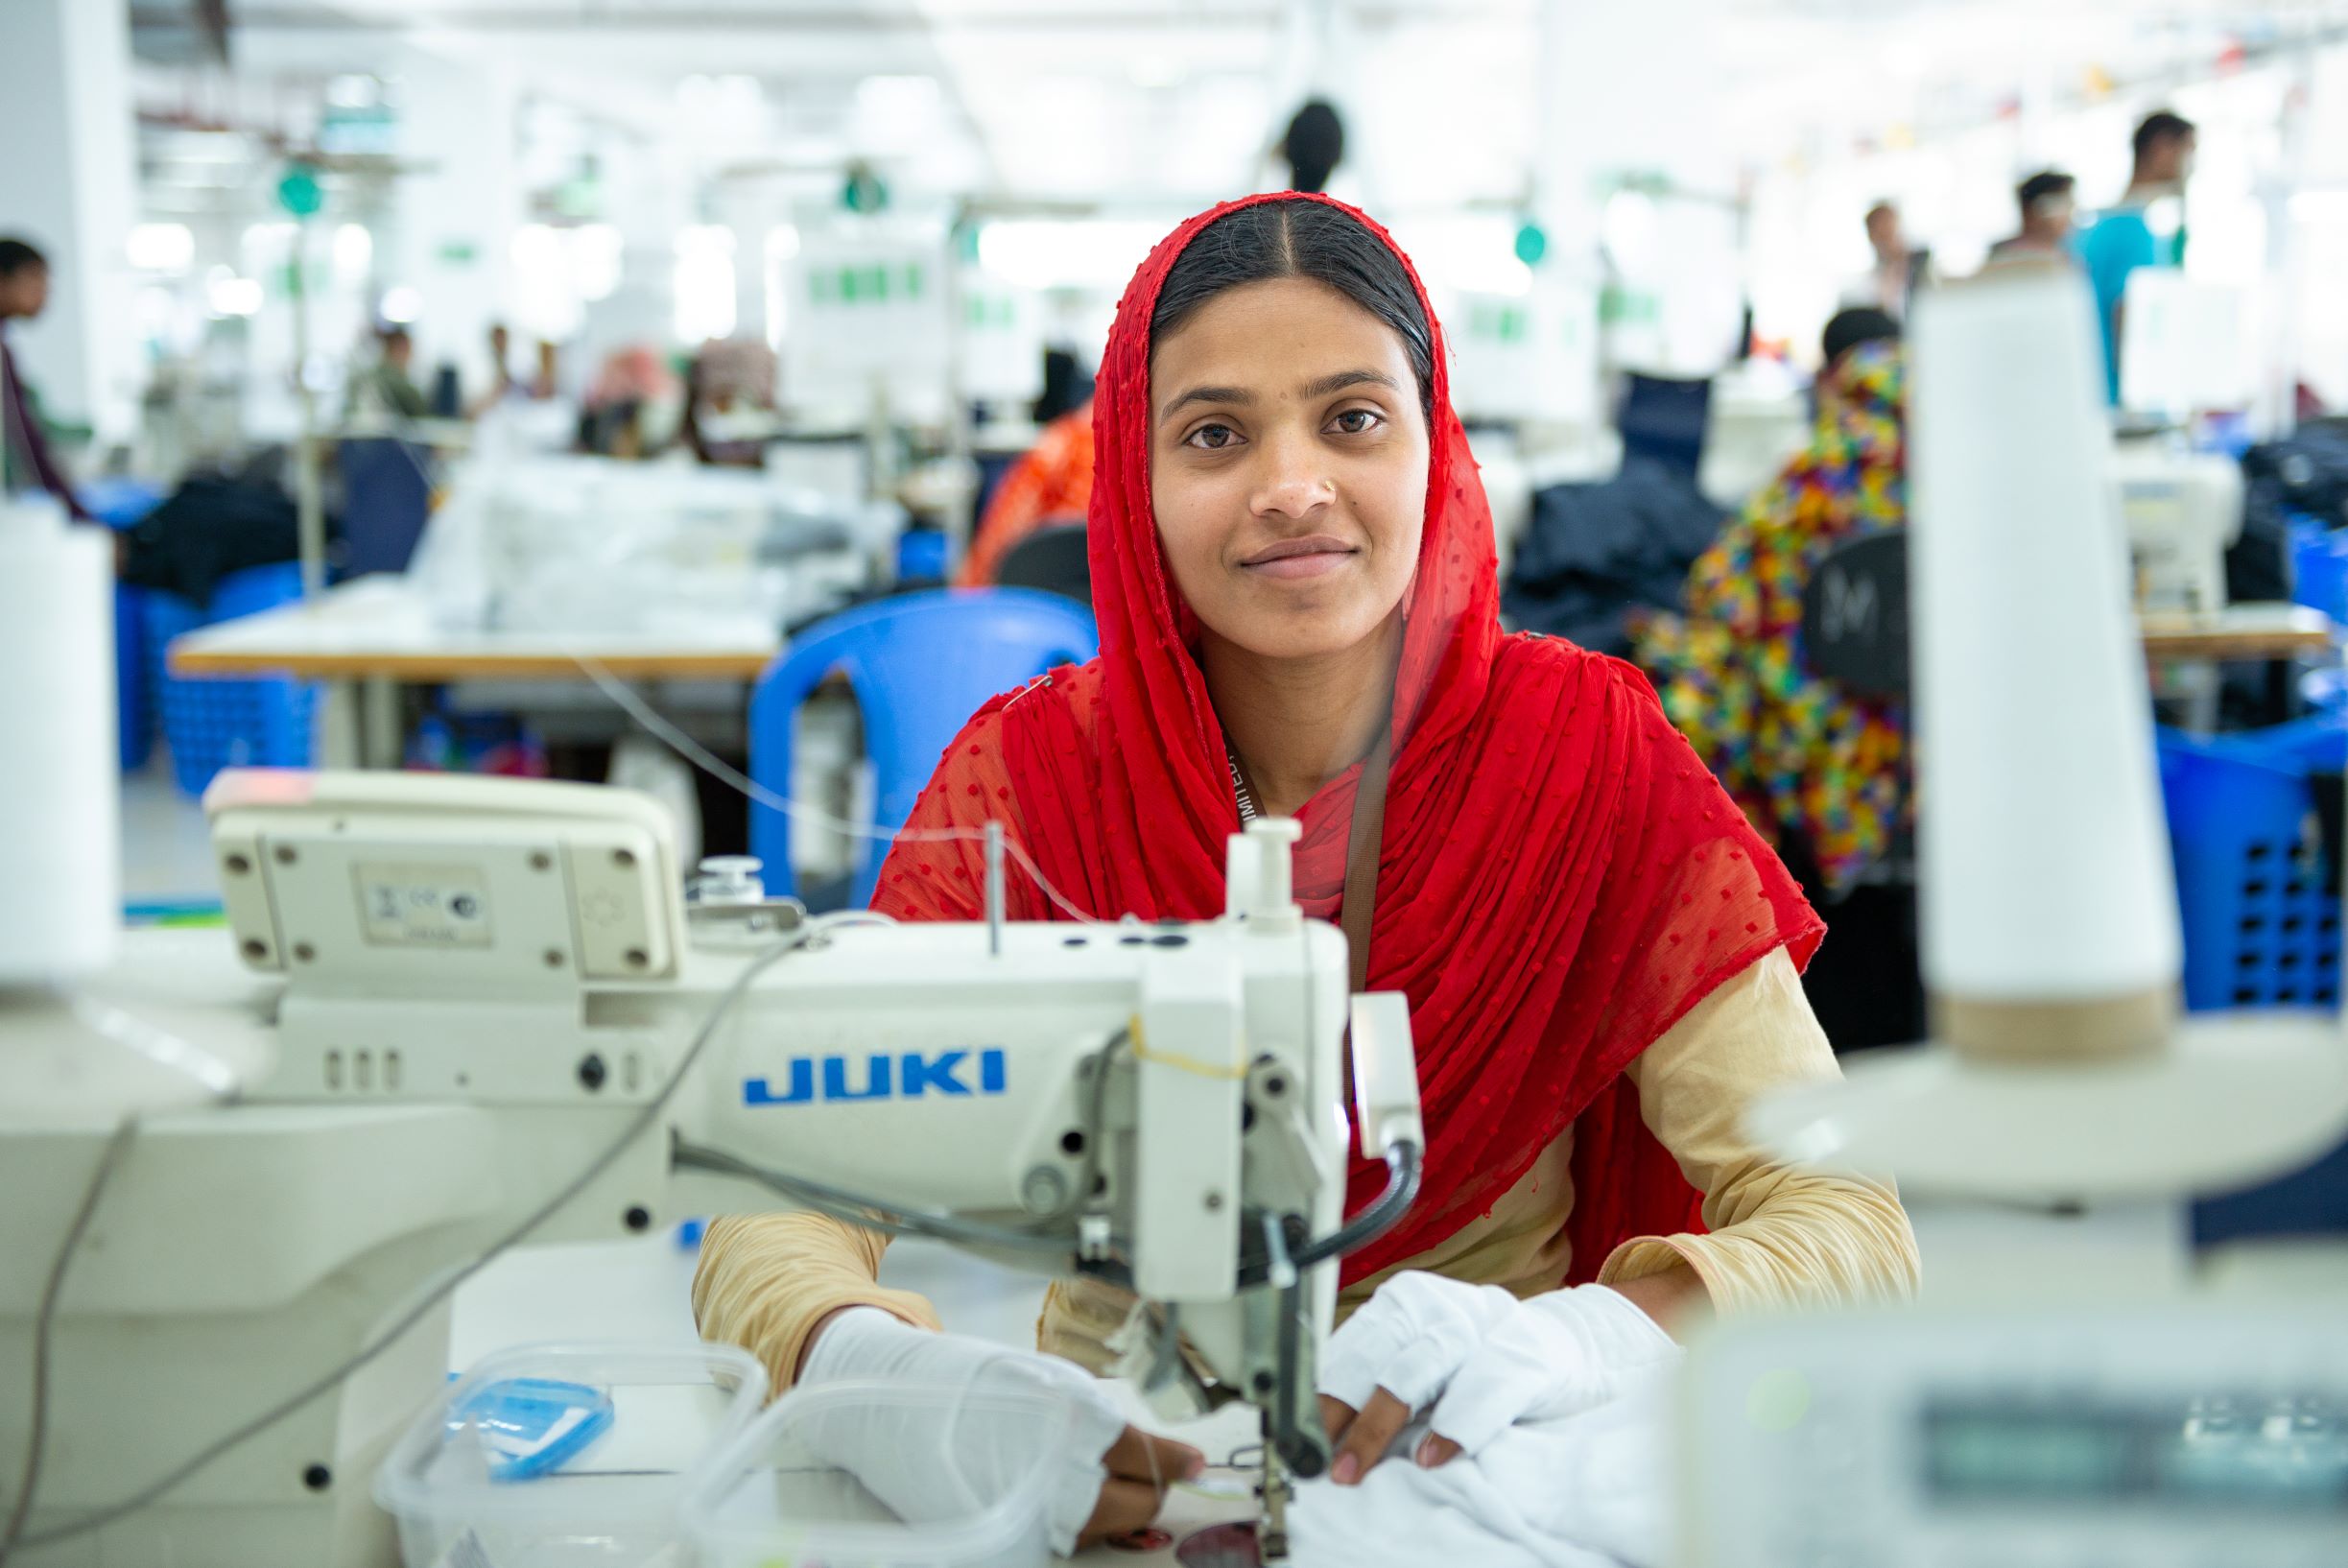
column 928, row 1470
column 1486, row 1359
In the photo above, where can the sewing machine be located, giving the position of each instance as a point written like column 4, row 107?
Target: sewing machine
column 2183, row 510
column 442, row 1003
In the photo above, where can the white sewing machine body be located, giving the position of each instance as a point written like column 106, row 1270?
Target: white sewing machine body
column 2183, row 510
column 466, row 990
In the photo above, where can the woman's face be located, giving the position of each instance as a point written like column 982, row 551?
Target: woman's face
column 1288, row 467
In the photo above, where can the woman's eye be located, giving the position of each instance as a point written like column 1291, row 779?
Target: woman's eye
column 1212, row 437
column 1358, row 421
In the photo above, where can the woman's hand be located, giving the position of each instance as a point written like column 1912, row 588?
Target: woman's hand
column 1482, row 1358
column 1108, row 1478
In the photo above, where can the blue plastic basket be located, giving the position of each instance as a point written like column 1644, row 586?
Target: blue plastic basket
column 2320, row 567
column 133, row 678
column 2262, row 923
column 261, row 722
column 120, row 504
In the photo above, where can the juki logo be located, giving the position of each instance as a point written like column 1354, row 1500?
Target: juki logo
column 909, row 1075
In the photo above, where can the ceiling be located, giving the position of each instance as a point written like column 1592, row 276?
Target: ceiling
column 1110, row 101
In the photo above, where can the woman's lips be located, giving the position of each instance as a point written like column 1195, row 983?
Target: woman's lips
column 1319, row 563
column 1293, row 558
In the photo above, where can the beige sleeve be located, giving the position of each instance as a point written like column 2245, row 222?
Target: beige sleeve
column 1779, row 1236
column 766, row 1281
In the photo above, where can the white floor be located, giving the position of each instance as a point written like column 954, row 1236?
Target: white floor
column 166, row 853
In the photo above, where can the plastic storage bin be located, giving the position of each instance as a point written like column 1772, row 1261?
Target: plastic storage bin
column 784, row 1493
column 216, row 724
column 120, row 504
column 2320, row 567
column 2262, row 913
column 610, row 1503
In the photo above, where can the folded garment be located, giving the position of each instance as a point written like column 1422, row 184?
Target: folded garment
column 1584, row 1492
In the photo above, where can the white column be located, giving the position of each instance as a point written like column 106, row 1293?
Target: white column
column 457, row 211
column 1635, row 89
column 69, row 185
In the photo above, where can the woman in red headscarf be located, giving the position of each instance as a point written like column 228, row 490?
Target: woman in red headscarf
column 1293, row 566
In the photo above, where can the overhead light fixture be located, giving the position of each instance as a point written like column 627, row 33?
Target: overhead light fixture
column 232, row 295
column 162, row 247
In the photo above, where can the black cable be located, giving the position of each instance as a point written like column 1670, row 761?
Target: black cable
column 44, row 1323
column 1384, row 1212
column 872, row 1214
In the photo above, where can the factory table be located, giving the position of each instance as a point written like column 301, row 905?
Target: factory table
column 2241, row 632
column 366, row 639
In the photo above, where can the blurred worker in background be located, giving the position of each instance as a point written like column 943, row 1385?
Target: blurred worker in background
column 1821, row 772
column 1314, row 146
column 729, row 403
column 502, row 384
column 1899, row 269
column 1051, row 483
column 2144, row 228
column 547, row 383
column 384, row 389
column 26, row 462
column 2047, row 199
column 633, row 406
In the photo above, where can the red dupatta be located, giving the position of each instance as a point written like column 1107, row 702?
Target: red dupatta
column 1560, row 879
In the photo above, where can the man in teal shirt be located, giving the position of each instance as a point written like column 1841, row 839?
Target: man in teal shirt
column 2121, row 240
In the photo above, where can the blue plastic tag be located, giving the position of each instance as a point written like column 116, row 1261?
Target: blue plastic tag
column 533, row 1425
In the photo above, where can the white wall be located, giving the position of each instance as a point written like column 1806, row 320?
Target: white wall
column 69, row 185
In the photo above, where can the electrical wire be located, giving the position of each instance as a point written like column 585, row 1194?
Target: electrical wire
column 44, row 1325
column 326, row 1382
column 870, row 1213
column 626, row 698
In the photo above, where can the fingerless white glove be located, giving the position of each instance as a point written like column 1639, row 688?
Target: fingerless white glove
column 1486, row 1360
column 927, row 1469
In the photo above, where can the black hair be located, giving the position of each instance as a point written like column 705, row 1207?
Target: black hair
column 1315, row 146
column 2040, row 186
column 1850, row 328
column 15, row 255
column 392, row 334
column 1297, row 238
column 2159, row 127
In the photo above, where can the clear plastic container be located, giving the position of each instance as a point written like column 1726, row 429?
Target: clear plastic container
column 612, row 1503
column 788, row 1489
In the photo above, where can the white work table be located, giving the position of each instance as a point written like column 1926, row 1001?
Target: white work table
column 369, row 637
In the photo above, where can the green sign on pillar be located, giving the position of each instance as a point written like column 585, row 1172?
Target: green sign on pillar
column 298, row 192
column 864, row 192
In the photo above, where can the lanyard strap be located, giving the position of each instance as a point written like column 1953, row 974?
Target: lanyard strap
column 1361, row 839
column 1362, row 836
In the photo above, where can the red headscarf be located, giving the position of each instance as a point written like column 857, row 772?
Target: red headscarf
column 1559, row 879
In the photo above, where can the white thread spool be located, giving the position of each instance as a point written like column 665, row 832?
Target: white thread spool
column 60, row 846
column 2049, row 900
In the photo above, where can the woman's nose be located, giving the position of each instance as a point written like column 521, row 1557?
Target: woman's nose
column 1294, row 481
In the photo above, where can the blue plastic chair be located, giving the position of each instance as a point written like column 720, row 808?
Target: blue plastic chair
column 920, row 664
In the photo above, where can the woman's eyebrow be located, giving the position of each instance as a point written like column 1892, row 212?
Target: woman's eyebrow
column 1343, row 379
column 1206, row 394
